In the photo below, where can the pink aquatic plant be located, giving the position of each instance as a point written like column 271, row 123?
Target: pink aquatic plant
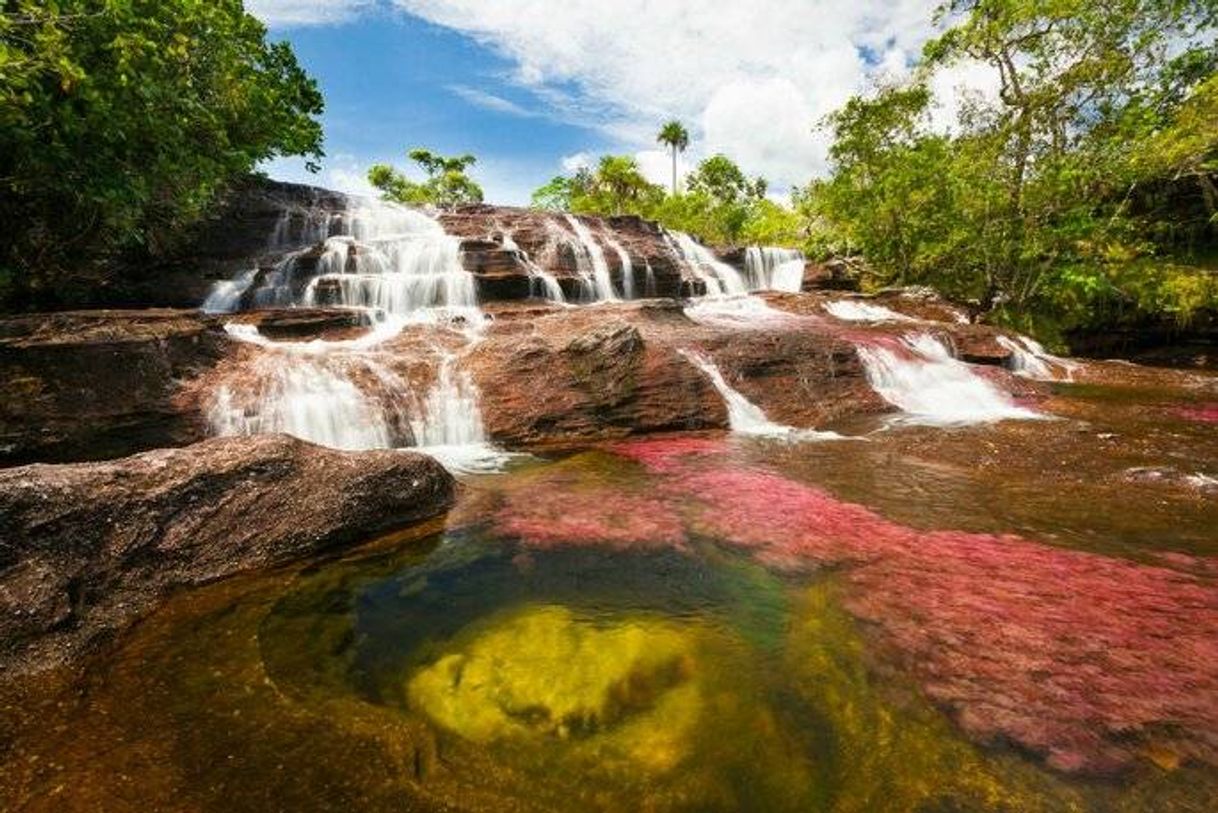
column 663, row 453
column 1084, row 659
column 553, row 517
column 1202, row 413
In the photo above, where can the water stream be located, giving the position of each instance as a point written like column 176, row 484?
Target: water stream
column 919, row 375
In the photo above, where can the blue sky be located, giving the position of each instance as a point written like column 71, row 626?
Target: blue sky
column 537, row 87
column 393, row 81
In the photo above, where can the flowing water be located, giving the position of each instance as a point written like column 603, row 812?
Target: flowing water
column 700, row 622
column 400, row 269
column 919, row 375
column 590, row 258
column 853, row 311
column 774, row 269
column 971, row 608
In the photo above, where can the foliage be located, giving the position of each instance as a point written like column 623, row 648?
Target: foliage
column 447, row 183
column 1069, row 193
column 121, row 120
column 721, row 205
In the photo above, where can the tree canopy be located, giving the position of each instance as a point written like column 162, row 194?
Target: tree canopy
column 447, row 183
column 120, row 122
column 1086, row 184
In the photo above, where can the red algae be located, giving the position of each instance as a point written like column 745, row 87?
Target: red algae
column 1203, row 413
column 663, row 454
column 553, row 517
column 1085, row 660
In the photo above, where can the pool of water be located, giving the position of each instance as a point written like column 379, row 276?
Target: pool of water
column 1020, row 616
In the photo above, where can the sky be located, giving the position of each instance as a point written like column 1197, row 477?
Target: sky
column 536, row 88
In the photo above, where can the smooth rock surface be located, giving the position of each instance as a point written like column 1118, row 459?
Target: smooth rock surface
column 88, row 548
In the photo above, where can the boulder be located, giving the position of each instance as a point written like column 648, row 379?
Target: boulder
column 99, row 384
column 88, row 548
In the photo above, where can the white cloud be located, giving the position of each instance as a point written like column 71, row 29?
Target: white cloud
column 490, row 101
column 576, row 162
column 749, row 79
column 290, row 13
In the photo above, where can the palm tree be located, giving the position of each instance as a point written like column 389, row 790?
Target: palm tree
column 676, row 137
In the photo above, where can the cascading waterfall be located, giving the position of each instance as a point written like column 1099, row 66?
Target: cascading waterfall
column 849, row 310
column 745, row 417
column 623, row 257
column 930, row 386
column 719, row 277
column 774, row 269
column 399, row 267
column 590, row 258
column 1030, row 359
column 541, row 282
column 307, row 400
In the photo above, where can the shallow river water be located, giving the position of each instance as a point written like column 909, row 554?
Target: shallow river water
column 1008, row 617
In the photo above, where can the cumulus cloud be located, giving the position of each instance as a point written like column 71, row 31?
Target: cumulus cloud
column 292, row 13
column 749, row 79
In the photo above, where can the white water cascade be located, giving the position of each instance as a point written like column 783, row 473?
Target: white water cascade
column 590, row 259
column 623, row 257
column 774, row 269
column 719, row 277
column 400, row 268
column 1030, row 359
column 342, row 400
column 395, row 262
column 541, row 282
column 851, row 310
column 931, row 387
column 744, row 417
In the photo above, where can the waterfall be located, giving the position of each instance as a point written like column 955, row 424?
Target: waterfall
column 1030, row 360
column 541, row 282
column 744, row 417
column 623, row 257
column 449, row 425
column 850, row 310
column 393, row 261
column 313, row 398
column 931, row 387
column 719, row 277
column 401, row 268
column 225, row 296
column 774, row 269
column 590, row 259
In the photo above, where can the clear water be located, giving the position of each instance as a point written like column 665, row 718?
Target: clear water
column 931, row 620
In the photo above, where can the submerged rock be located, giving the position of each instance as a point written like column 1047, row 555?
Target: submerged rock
column 88, row 548
column 545, row 672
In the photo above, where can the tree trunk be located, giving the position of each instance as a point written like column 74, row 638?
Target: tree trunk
column 674, row 170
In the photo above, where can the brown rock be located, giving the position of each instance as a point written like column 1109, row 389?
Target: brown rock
column 88, row 548
column 97, row 384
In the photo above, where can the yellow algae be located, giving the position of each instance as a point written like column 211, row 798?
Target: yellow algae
column 544, row 672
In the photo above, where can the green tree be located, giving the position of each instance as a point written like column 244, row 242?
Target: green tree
column 121, row 121
column 1045, row 197
column 447, row 183
column 676, row 137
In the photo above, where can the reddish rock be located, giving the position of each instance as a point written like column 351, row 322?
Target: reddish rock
column 96, row 384
column 90, row 547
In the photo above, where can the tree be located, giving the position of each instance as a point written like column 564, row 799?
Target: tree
column 1048, row 200
column 447, row 183
column 674, row 134
column 120, row 123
